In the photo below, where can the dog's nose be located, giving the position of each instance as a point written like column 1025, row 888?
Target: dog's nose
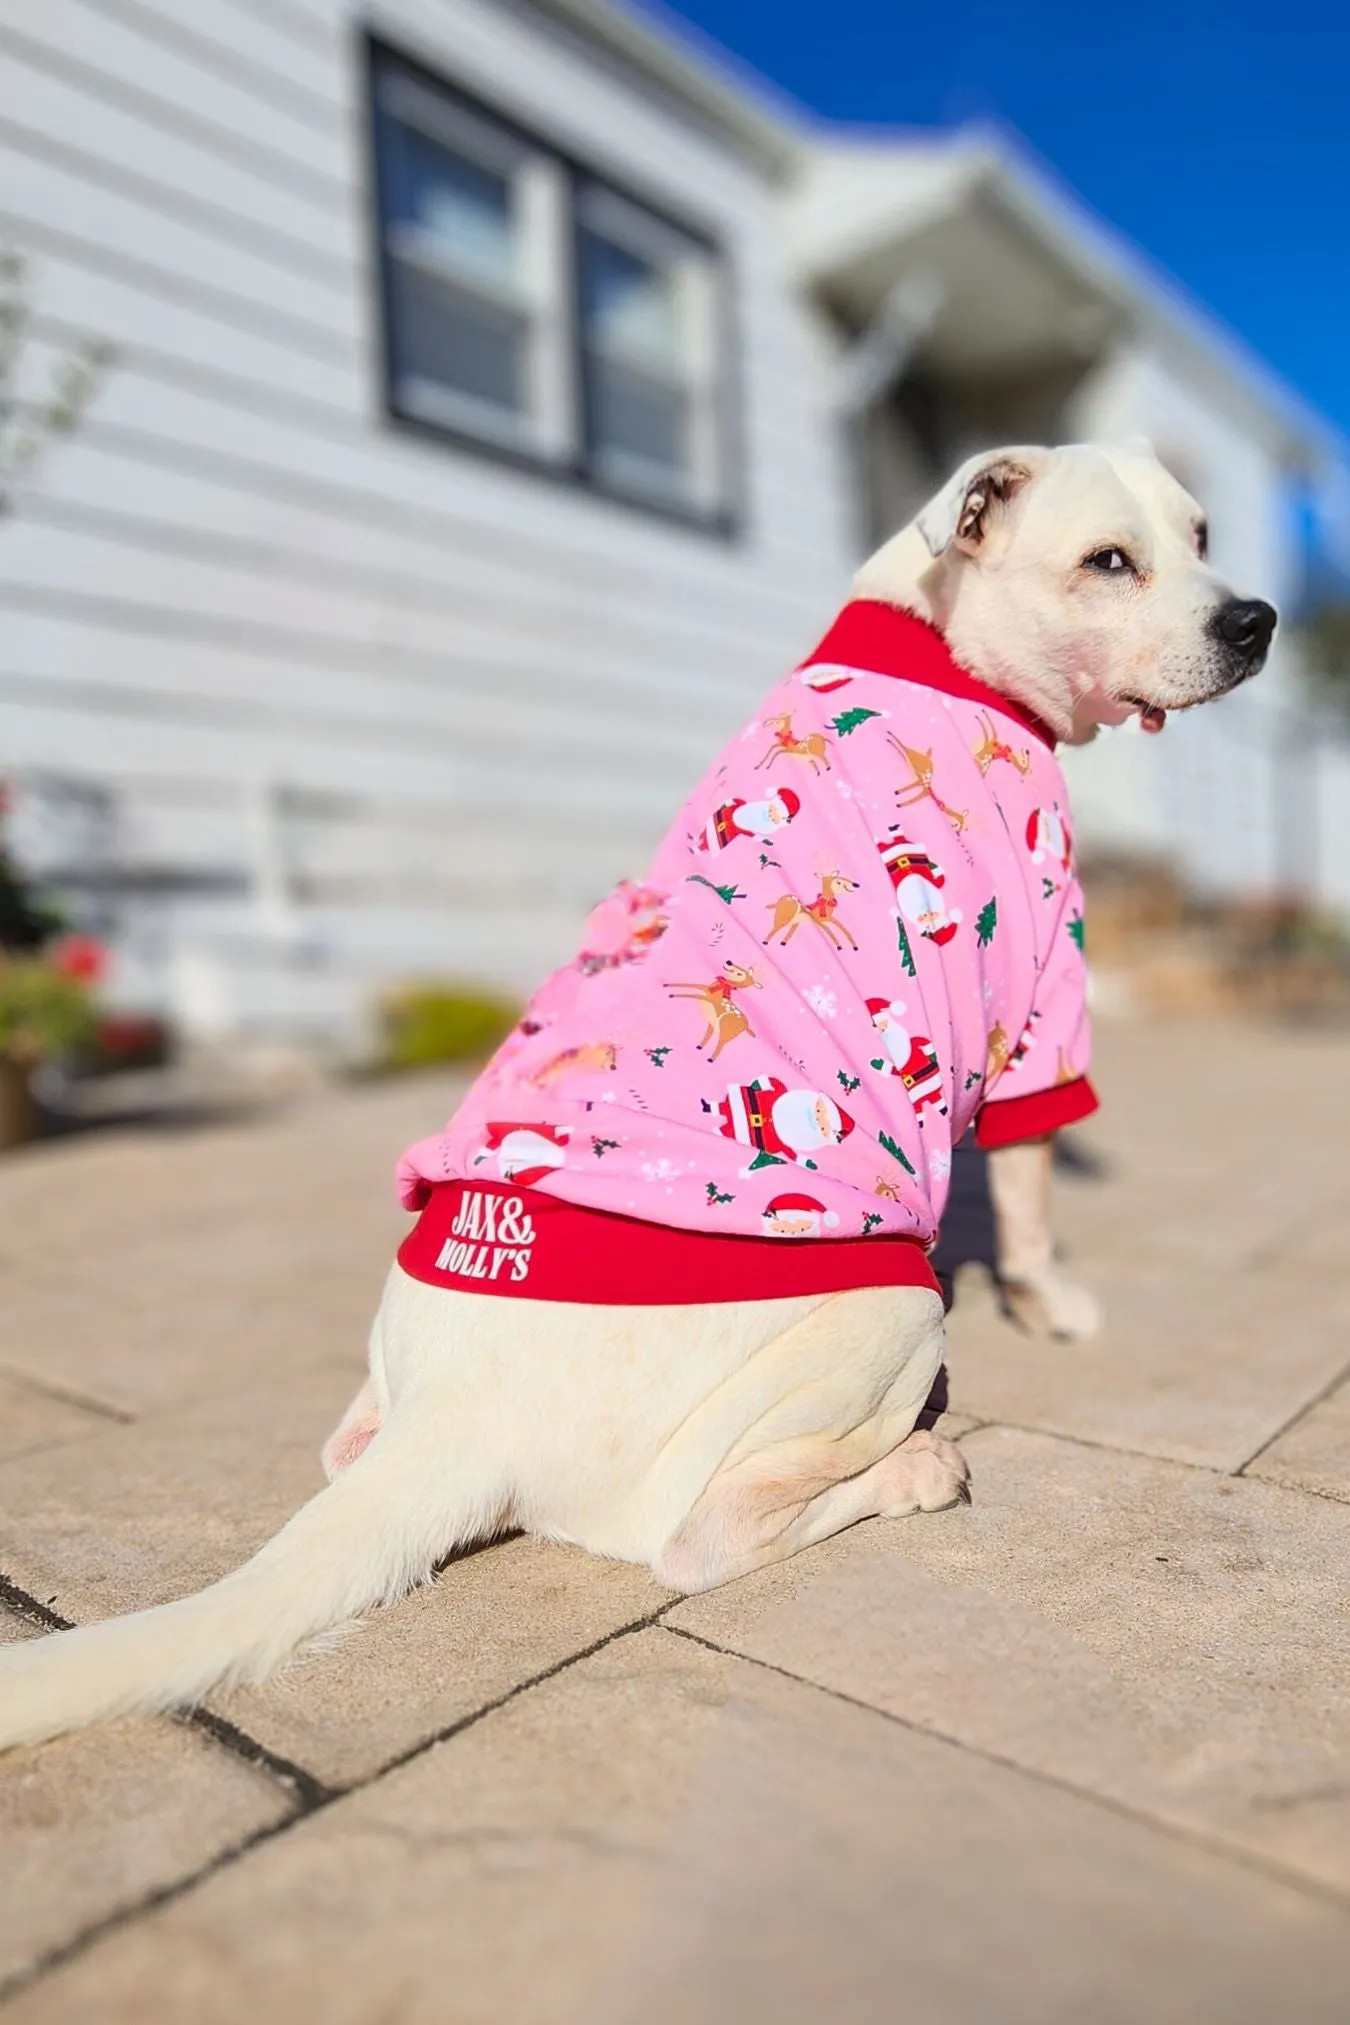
column 1246, row 626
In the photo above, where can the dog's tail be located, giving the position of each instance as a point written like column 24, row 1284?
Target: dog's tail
column 367, row 1539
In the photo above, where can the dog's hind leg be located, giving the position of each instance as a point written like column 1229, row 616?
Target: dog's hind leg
column 776, row 1504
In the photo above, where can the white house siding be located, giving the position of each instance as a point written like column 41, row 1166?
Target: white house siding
column 475, row 696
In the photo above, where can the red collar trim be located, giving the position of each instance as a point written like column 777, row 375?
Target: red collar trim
column 887, row 641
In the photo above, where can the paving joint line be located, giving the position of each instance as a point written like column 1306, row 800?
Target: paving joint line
column 1103, row 1447
column 307, row 1790
column 66, row 1395
column 1319, row 1398
column 1194, row 1838
column 304, row 1810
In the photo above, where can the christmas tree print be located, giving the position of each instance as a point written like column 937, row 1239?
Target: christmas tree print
column 657, row 1056
column 885, row 1139
column 600, row 1147
column 871, row 1218
column 848, row 1083
column 724, row 893
column 715, row 1195
column 849, row 720
column 1076, row 929
column 986, row 922
column 906, row 953
column 769, row 1160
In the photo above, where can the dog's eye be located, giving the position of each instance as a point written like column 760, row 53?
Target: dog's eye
column 1110, row 561
column 1202, row 541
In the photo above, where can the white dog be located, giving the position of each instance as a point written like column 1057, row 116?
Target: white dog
column 710, row 1438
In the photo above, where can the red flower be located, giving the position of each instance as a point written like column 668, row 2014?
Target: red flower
column 81, row 958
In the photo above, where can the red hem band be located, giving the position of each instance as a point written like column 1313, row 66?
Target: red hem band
column 486, row 1238
column 1006, row 1120
column 883, row 640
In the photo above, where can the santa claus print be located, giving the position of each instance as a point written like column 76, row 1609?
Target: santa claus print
column 1026, row 1043
column 796, row 1216
column 780, row 1124
column 1048, row 837
column 918, row 880
column 825, row 677
column 749, row 819
column 912, row 1057
column 524, row 1153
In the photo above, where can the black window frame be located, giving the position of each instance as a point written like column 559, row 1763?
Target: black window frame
column 725, row 519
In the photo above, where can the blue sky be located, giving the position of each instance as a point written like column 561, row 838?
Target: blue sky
column 1217, row 137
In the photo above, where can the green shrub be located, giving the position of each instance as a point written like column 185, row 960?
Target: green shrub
column 423, row 1024
column 44, row 1011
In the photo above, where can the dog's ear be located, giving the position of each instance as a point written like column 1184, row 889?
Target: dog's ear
column 963, row 511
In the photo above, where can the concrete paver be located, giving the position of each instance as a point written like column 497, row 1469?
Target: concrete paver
column 1077, row 1752
column 490, row 1880
column 1313, row 1454
column 1167, row 1638
column 721, row 1844
column 832, row 1864
column 142, row 1269
column 31, row 1419
column 91, row 1827
column 1202, row 1367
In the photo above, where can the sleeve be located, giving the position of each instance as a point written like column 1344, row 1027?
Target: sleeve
column 1045, row 1084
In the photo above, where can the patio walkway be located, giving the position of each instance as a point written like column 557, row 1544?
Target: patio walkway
column 1080, row 1753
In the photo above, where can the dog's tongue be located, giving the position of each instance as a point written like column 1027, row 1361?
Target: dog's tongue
column 1153, row 719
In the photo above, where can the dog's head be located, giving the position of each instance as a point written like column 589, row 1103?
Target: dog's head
column 1078, row 581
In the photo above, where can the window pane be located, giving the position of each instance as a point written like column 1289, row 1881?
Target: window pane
column 628, row 304
column 458, row 340
column 639, row 427
column 467, row 211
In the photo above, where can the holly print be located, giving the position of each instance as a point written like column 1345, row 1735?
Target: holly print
column 885, row 1139
column 848, row 1083
column 871, row 1218
column 715, row 1194
column 986, row 921
column 906, row 953
column 973, row 1076
column 1076, row 929
column 600, row 1147
column 657, row 1056
column 724, row 893
column 1048, row 888
column 849, row 720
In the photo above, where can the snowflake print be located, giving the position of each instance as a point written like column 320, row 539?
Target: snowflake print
column 821, row 1001
column 660, row 1170
column 940, row 1165
column 842, row 788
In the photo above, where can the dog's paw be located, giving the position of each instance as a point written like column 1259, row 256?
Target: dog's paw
column 1050, row 1305
column 923, row 1474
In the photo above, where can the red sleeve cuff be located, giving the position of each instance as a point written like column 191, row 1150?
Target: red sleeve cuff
column 1006, row 1120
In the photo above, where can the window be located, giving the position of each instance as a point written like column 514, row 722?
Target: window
column 533, row 309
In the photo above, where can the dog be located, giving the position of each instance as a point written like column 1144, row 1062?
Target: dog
column 677, row 1310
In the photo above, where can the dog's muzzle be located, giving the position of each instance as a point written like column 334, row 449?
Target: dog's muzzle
column 1243, row 629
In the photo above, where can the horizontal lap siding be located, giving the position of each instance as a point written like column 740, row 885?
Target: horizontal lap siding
column 489, row 692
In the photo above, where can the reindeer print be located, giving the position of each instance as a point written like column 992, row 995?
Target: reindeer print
column 789, row 912
column 726, row 1021
column 593, row 1055
column 920, row 788
column 991, row 747
column 814, row 747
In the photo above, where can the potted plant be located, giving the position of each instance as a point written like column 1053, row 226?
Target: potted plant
column 47, row 1009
